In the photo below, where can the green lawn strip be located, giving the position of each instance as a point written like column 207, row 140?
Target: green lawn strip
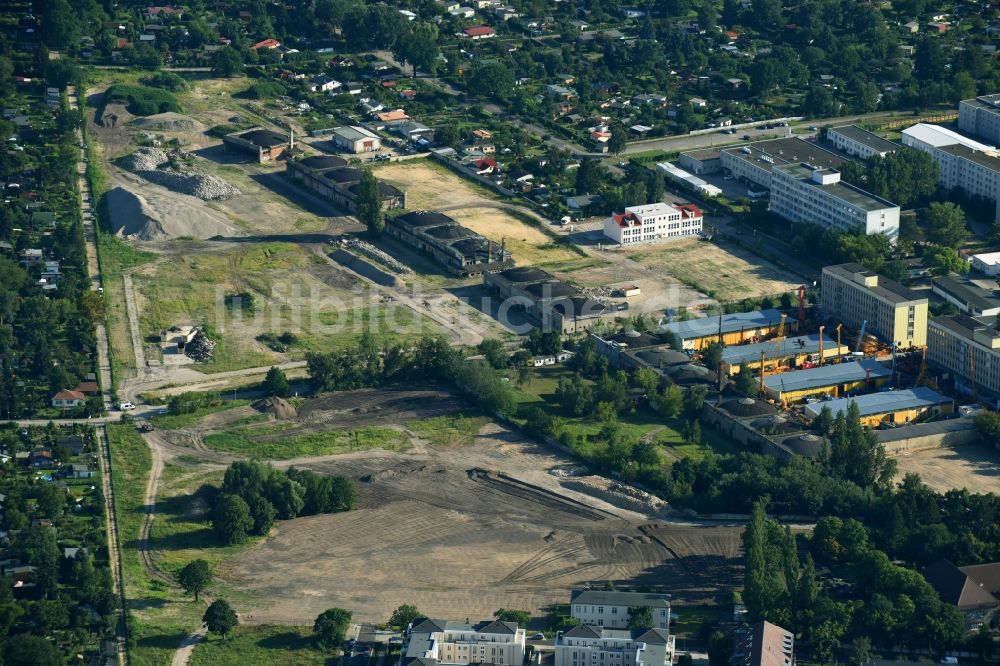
column 459, row 429
column 175, row 421
column 687, row 620
column 247, row 442
column 263, row 644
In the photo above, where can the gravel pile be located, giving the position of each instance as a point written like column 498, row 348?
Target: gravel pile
column 201, row 347
column 148, row 163
column 372, row 252
column 618, row 494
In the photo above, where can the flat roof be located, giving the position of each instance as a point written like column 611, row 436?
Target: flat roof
column 841, row 190
column 865, row 137
column 989, row 258
column 968, row 293
column 986, row 159
column 925, row 429
column 827, row 375
column 887, row 289
column 425, row 218
column 614, row 598
column 321, row 162
column 790, row 150
column 885, row 402
column 938, row 136
column 264, row 138
column 703, row 154
column 777, row 349
column 730, row 323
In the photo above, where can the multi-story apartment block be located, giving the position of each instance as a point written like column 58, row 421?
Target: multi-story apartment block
column 600, row 646
column 968, row 347
column 923, row 136
column 804, row 193
column 859, row 142
column 653, row 222
column 611, row 609
column 763, row 644
column 980, row 117
column 431, row 642
column 853, row 295
column 754, row 163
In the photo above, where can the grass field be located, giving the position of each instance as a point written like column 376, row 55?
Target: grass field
column 264, row 644
column 458, row 429
column 175, row 421
column 725, row 274
column 251, row 442
column 430, row 186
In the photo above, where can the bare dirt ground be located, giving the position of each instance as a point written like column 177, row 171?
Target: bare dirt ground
column 975, row 468
column 731, row 273
column 459, row 532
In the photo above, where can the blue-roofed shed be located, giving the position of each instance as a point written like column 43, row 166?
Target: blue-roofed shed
column 736, row 328
column 896, row 407
column 833, row 380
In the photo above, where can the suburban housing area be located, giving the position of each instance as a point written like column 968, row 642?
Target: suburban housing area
column 513, row 333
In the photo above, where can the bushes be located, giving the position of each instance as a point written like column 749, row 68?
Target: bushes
column 265, row 89
column 167, row 81
column 143, row 101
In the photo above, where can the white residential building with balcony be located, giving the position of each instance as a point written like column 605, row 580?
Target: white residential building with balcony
column 432, row 642
column 600, row 646
column 602, row 608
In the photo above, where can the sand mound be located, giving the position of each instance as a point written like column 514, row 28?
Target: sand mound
column 153, row 216
column 277, row 406
column 169, row 122
column 153, row 165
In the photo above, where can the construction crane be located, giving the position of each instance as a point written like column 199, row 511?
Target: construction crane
column 861, row 337
column 892, row 374
column 781, row 326
column 821, row 329
column 923, row 367
column 802, row 306
column 839, row 327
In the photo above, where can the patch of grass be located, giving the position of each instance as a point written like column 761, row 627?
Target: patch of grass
column 175, row 421
column 457, row 429
column 130, row 465
column 261, row 644
column 248, row 442
column 142, row 100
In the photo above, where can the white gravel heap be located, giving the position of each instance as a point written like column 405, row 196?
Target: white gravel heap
column 148, row 163
column 372, row 252
column 618, row 494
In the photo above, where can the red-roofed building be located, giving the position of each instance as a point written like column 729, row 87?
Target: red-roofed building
column 653, row 222
column 408, row 94
column 266, row 44
column 67, row 398
column 480, row 32
column 157, row 12
column 389, row 84
column 732, row 36
column 485, row 165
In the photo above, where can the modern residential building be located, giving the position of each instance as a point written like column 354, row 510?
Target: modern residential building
column 895, row 407
column 854, row 296
column 730, row 329
column 802, row 351
column 585, row 645
column 753, row 163
column 653, row 222
column 331, row 177
column 859, row 142
column 763, row 644
column 355, row 139
column 828, row 380
column 429, row 642
column 266, row 145
column 980, row 117
column 974, row 590
column 968, row 348
column 966, row 296
column 459, row 250
column 602, row 608
column 805, row 193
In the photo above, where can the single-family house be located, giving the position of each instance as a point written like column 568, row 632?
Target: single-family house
column 267, row 44
column 324, row 83
column 479, row 32
column 68, row 398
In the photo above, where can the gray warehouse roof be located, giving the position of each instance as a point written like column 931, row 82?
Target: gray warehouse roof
column 865, row 137
column 968, row 293
column 607, row 598
column 776, row 349
column 882, row 403
column 827, row 375
column 767, row 154
column 700, row 328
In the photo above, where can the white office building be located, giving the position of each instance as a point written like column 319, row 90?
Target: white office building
column 859, row 142
column 802, row 193
column 924, row 136
column 987, row 263
column 603, row 608
column 585, row 645
column 653, row 222
column 433, row 642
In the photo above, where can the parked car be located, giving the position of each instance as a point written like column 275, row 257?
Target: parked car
column 126, row 406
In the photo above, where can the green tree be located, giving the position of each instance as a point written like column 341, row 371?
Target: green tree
column 276, row 383
column 403, row 616
column 220, row 618
column 618, row 141
column 945, row 224
column 647, row 379
column 195, row 577
column 231, row 519
column 369, row 205
column 988, row 426
column 640, row 617
column 330, row 627
column 745, row 381
column 943, row 260
column 819, row 102
column 491, row 79
column 519, row 617
column 669, row 401
column 227, row 62
column 711, row 356
column 419, row 47
column 60, row 24
column 720, row 649
column 494, row 352
column 27, row 650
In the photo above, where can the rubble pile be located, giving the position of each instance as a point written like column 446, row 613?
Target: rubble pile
column 149, row 163
column 201, row 348
column 375, row 254
column 618, row 494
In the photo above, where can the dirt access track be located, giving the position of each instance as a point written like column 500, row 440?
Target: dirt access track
column 461, row 532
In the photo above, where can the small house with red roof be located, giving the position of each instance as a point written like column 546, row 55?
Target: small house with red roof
column 166, row 11
column 485, row 166
column 68, row 398
column 266, row 44
column 479, row 32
